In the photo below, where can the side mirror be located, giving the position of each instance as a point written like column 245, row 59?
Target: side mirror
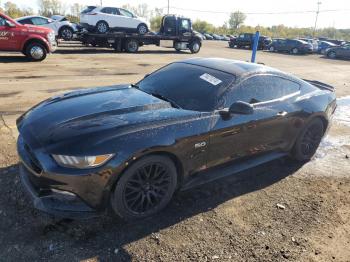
column 9, row 24
column 241, row 108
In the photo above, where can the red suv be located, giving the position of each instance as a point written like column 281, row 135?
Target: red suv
column 33, row 41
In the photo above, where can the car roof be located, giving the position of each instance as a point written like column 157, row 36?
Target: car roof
column 234, row 67
column 31, row 16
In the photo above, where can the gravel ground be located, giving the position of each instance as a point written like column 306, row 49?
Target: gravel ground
column 281, row 211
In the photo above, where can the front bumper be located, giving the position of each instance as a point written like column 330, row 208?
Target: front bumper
column 53, row 46
column 78, row 195
column 55, row 202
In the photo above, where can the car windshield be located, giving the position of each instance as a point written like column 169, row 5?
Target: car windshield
column 188, row 86
column 88, row 9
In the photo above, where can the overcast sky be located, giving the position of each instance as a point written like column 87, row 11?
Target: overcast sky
column 339, row 19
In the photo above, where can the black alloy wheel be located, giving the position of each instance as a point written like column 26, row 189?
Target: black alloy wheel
column 309, row 140
column 145, row 188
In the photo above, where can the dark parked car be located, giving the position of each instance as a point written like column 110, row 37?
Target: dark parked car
column 292, row 46
column 225, row 38
column 334, row 41
column 339, row 52
column 247, row 40
column 131, row 147
column 208, row 37
column 216, row 37
column 323, row 46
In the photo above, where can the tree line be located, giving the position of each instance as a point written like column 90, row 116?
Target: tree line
column 233, row 26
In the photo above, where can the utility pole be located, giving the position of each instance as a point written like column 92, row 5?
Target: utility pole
column 168, row 6
column 317, row 12
column 101, row 1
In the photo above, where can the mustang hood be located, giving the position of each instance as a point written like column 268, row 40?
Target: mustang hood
column 81, row 113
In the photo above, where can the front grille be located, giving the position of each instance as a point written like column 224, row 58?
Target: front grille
column 35, row 164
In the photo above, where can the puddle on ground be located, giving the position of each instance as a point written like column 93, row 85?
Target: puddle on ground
column 342, row 113
column 330, row 143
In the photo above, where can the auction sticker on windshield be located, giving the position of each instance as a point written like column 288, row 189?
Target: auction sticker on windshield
column 210, row 79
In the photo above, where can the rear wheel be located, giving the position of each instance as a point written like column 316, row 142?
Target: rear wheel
column 195, row 46
column 145, row 188
column 36, row 52
column 308, row 141
column 142, row 29
column 102, row 27
column 132, row 46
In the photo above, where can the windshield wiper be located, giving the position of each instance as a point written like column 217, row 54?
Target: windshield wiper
column 173, row 104
column 166, row 99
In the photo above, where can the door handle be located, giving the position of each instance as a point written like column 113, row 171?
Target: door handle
column 282, row 113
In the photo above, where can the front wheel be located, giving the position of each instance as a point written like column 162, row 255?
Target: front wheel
column 309, row 140
column 195, row 46
column 295, row 51
column 332, row 55
column 36, row 52
column 145, row 188
column 66, row 33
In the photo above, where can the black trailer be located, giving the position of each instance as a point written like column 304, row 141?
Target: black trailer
column 177, row 30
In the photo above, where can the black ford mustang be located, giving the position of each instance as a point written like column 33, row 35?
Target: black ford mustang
column 129, row 147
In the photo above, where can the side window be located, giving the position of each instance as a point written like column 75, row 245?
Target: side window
column 109, row 10
column 185, row 25
column 125, row 13
column 2, row 21
column 26, row 22
column 39, row 21
column 263, row 88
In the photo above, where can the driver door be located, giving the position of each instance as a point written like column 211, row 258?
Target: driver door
column 10, row 37
column 266, row 129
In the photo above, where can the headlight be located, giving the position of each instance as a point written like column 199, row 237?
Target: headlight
column 51, row 37
column 82, row 162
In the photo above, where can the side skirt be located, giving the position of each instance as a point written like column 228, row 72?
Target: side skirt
column 222, row 171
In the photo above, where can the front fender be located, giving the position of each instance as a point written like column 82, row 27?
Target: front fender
column 35, row 37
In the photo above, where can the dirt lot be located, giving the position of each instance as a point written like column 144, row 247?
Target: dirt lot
column 236, row 219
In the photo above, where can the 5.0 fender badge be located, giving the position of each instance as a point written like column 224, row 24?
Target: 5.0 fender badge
column 201, row 144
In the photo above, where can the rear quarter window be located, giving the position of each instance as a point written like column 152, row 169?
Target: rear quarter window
column 262, row 88
column 88, row 9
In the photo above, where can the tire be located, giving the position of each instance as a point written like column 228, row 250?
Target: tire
column 142, row 29
column 294, row 51
column 308, row 141
column 102, row 27
column 332, row 55
column 36, row 52
column 131, row 46
column 176, row 47
column 145, row 188
column 195, row 46
column 66, row 33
